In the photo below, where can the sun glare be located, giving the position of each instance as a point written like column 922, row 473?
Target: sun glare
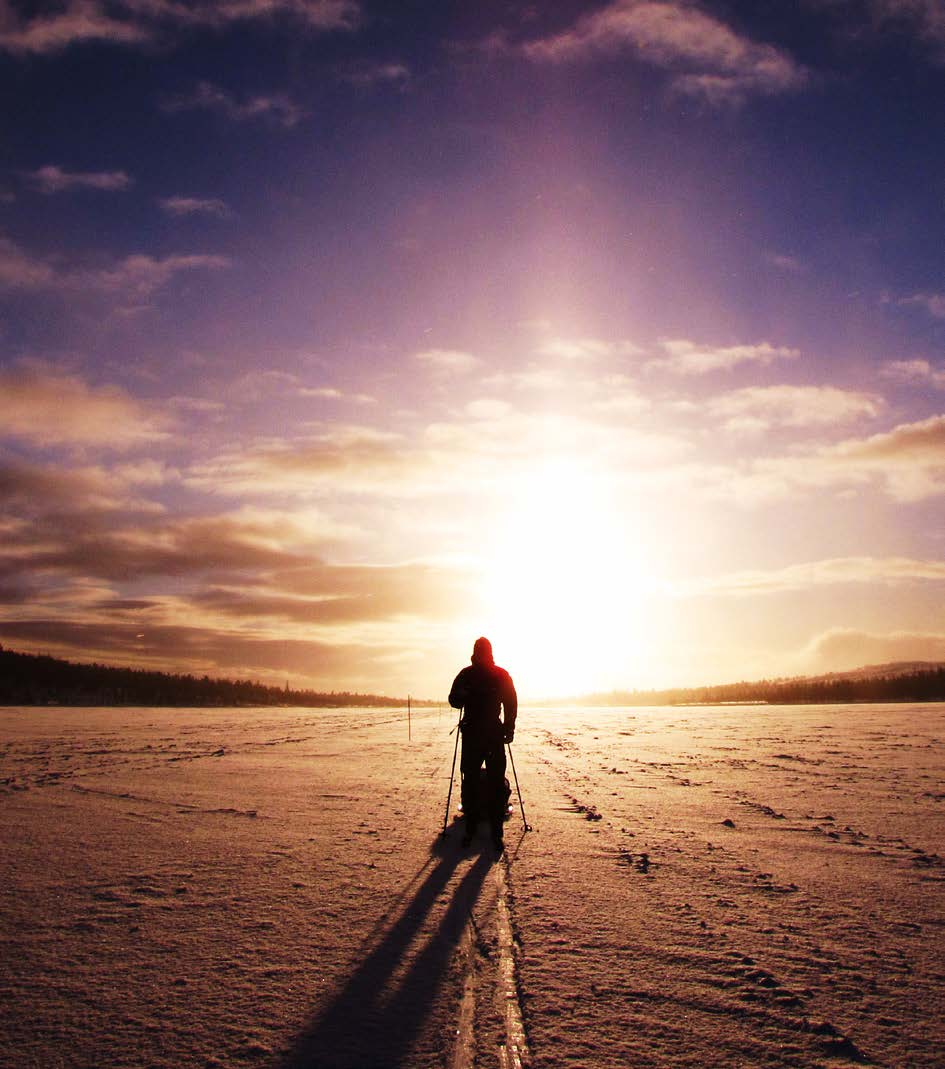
column 565, row 585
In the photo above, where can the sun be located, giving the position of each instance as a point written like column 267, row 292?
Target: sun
column 565, row 588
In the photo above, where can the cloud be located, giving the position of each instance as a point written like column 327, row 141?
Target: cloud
column 58, row 26
column 488, row 443
column 915, row 372
column 249, row 388
column 707, row 57
column 331, row 393
column 924, row 18
column 177, row 647
column 321, row 594
column 176, row 548
column 345, row 459
column 181, row 206
column 20, row 270
column 814, row 574
column 141, row 275
column 448, row 360
column 32, row 491
column 138, row 275
column 910, row 459
column 908, row 462
column 687, row 358
column 932, row 303
column 790, row 264
column 619, row 398
column 535, row 378
column 488, row 408
column 48, row 407
column 76, row 22
column 275, row 108
column 758, row 408
column 585, row 348
column 920, row 443
column 271, row 382
column 369, row 75
column 841, row 649
column 52, row 179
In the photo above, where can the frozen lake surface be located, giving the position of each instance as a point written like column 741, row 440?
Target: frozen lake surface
column 703, row 886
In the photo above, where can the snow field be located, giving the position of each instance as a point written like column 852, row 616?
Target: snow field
column 210, row 888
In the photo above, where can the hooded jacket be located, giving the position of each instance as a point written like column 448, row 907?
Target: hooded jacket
column 481, row 690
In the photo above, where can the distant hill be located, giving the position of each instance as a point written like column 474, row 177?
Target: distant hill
column 30, row 679
column 901, row 681
column 892, row 670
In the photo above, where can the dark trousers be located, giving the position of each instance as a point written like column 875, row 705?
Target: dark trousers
column 483, row 747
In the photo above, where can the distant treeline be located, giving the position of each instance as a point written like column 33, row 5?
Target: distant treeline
column 915, row 686
column 29, row 679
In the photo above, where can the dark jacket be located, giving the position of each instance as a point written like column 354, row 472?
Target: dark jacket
column 481, row 690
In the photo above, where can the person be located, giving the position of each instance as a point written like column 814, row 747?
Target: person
column 481, row 690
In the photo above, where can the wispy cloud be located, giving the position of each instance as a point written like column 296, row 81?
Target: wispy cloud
column 75, row 22
column 932, row 303
column 908, row 462
column 161, row 547
column 369, row 75
column 138, row 275
column 324, row 594
column 49, row 407
column 141, row 275
column 758, row 408
column 135, row 22
column 846, row 648
column 689, row 358
column 29, row 491
column 253, row 385
column 789, row 264
column 488, row 408
column 20, row 270
column 181, row 206
column 332, row 393
column 916, row 372
column 343, row 459
column 53, row 179
column 817, row 574
column 448, row 360
column 706, row 56
column 909, row 443
column 585, row 348
column 925, row 19
column 275, row 108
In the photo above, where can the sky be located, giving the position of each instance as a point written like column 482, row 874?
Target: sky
column 334, row 334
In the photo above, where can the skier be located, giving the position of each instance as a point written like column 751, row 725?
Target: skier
column 481, row 690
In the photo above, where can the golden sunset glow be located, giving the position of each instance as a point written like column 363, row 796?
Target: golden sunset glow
column 564, row 583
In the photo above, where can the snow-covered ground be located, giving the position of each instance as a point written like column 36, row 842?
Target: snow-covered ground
column 703, row 887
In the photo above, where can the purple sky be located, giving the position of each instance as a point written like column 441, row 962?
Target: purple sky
column 335, row 334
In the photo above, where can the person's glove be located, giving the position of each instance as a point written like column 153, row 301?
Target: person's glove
column 509, row 734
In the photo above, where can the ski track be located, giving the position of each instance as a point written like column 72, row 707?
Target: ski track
column 217, row 888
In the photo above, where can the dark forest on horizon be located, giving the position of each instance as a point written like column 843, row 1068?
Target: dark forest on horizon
column 887, row 683
column 39, row 679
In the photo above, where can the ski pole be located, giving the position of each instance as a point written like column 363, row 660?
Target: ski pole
column 446, row 815
column 528, row 826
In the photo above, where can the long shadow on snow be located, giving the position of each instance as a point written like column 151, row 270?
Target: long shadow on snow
column 367, row 1026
